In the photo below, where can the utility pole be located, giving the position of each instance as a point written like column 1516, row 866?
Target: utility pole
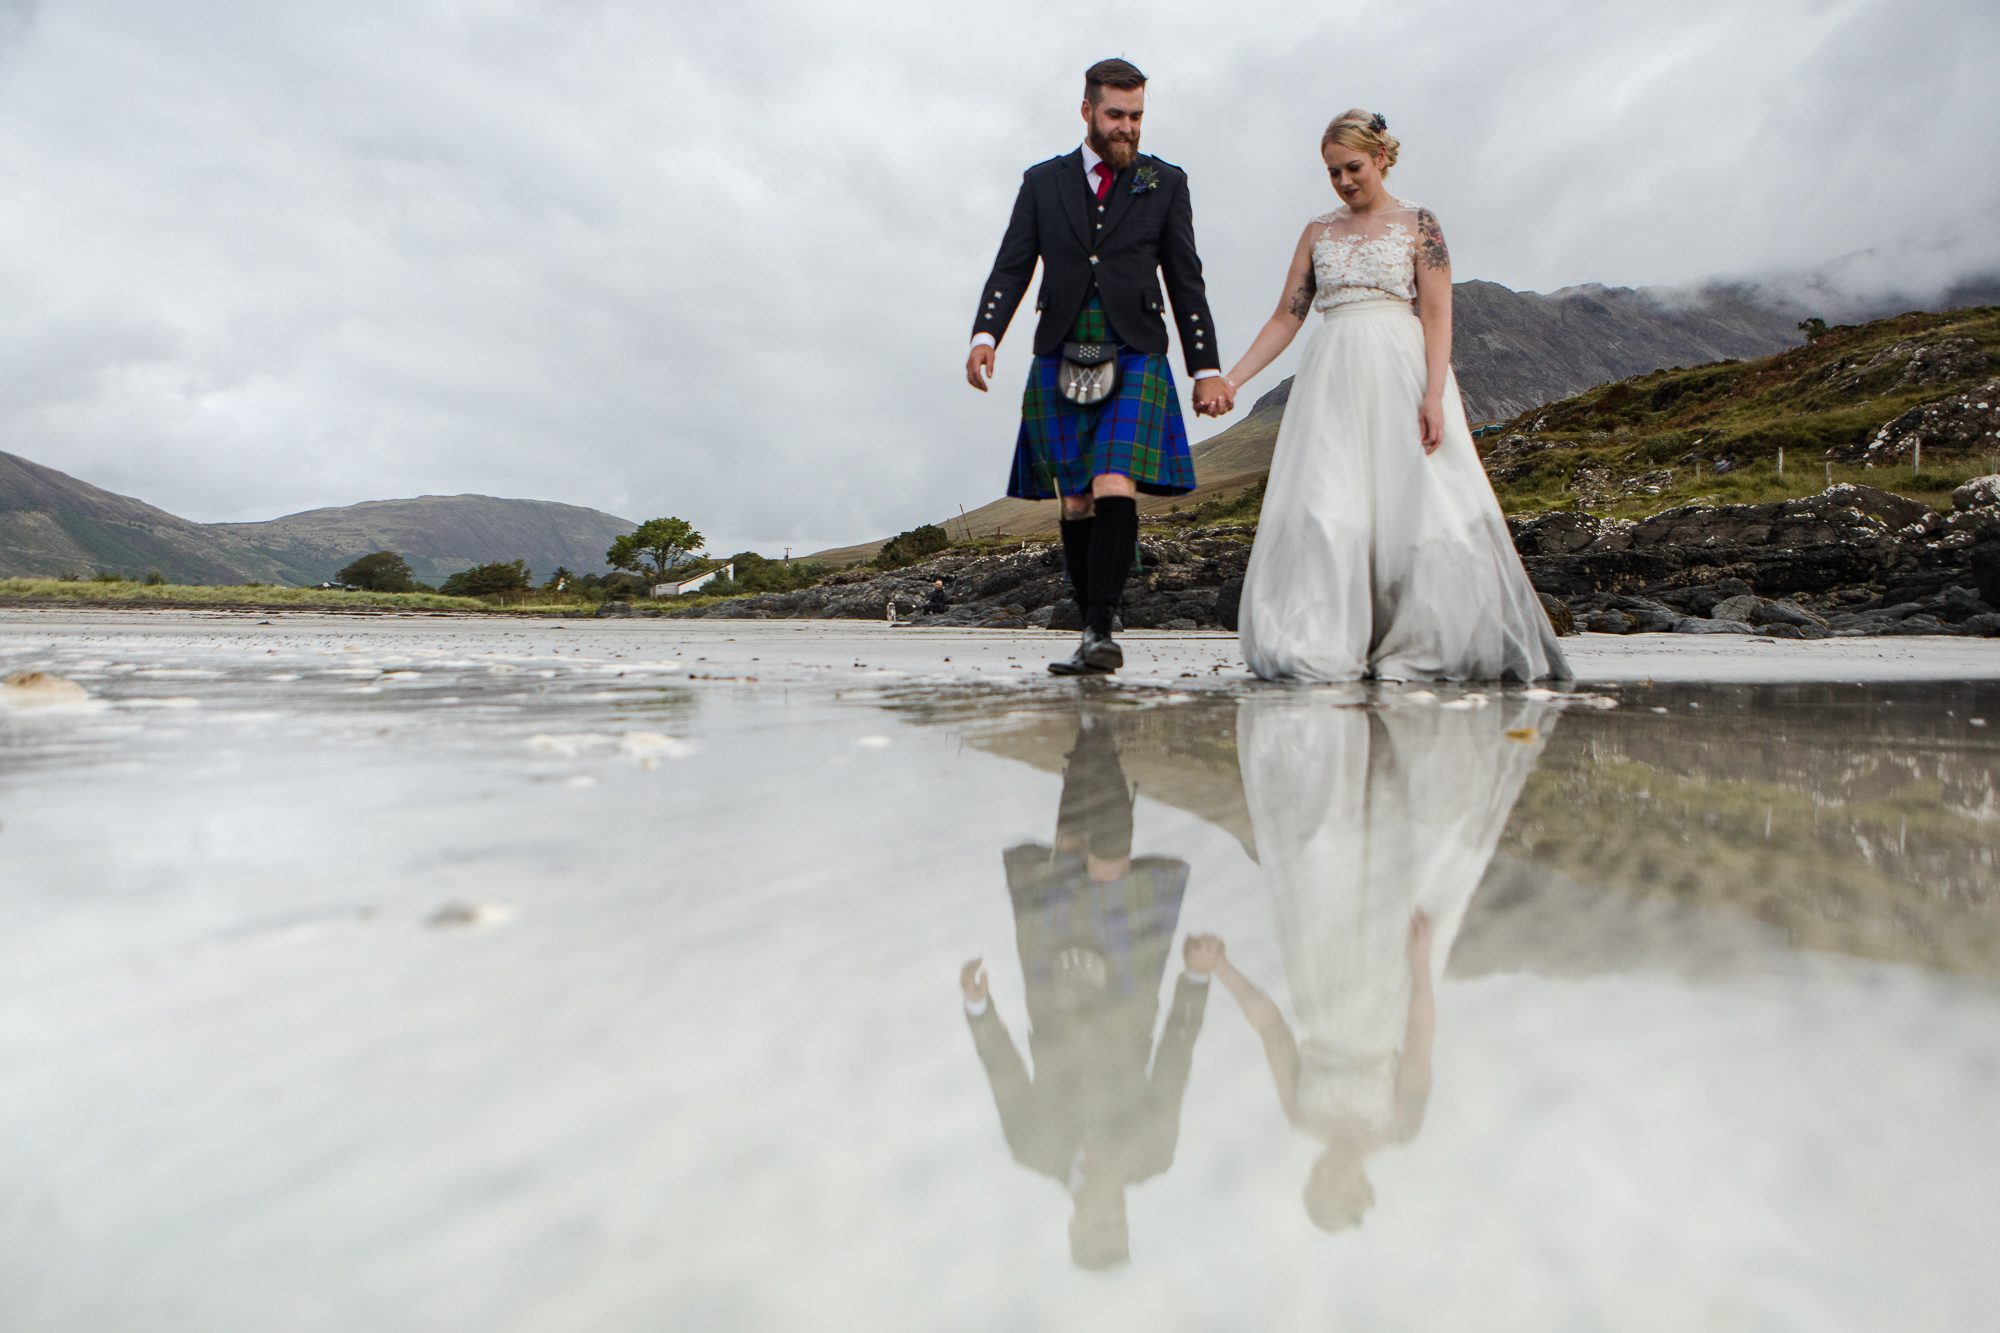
column 964, row 523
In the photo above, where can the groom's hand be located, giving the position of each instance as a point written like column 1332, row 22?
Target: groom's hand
column 979, row 367
column 1213, row 396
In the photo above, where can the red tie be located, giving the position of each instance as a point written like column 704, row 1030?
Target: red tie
column 1103, row 173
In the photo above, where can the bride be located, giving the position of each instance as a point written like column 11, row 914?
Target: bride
column 1381, row 551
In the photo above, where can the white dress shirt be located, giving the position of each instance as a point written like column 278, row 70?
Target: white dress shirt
column 1090, row 161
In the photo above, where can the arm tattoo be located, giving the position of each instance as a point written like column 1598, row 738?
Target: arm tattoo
column 1302, row 295
column 1430, row 241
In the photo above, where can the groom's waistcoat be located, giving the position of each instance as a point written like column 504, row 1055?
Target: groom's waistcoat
column 1142, row 232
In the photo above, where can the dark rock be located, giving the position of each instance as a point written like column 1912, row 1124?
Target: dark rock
column 1984, row 563
column 1987, row 624
column 1558, row 533
column 1701, row 598
column 1699, row 625
column 1647, row 615
column 616, row 607
column 1228, row 601
column 1959, row 603
column 1781, row 632
column 1979, row 493
column 1764, row 611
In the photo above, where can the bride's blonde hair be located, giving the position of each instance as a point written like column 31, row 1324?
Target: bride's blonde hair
column 1364, row 132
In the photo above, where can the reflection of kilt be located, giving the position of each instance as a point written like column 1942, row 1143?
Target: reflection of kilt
column 1136, row 433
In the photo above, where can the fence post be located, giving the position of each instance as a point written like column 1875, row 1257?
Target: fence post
column 1781, row 462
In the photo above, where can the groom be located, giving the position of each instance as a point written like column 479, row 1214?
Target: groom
column 1107, row 223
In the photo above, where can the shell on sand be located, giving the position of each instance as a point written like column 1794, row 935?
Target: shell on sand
column 39, row 688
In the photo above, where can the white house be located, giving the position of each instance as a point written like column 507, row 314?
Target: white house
column 682, row 587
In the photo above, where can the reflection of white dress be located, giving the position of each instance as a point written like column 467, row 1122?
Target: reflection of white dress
column 1362, row 817
column 1372, row 559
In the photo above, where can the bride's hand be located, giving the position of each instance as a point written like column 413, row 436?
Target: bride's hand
column 1430, row 424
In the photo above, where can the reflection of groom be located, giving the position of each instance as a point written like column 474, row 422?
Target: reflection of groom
column 1107, row 223
column 1095, row 927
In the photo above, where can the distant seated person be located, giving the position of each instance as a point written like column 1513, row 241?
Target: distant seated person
column 938, row 603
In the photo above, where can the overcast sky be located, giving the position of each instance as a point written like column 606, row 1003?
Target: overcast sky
column 720, row 260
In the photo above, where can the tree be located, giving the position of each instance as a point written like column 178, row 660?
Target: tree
column 1814, row 328
column 906, row 548
column 559, row 580
column 384, row 571
column 506, row 580
column 656, row 547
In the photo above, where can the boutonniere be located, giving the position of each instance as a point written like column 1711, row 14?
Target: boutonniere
column 1144, row 179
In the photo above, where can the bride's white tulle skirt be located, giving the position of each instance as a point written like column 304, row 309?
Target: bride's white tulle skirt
column 1371, row 559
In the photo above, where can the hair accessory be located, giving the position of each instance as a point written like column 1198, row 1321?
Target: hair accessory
column 1377, row 124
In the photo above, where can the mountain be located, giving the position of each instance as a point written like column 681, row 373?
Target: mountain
column 1516, row 350
column 438, row 534
column 53, row 524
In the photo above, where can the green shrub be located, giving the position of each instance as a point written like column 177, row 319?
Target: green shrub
column 382, row 571
column 906, row 548
column 508, row 580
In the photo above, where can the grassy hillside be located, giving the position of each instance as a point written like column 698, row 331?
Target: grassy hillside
column 1712, row 433
column 52, row 524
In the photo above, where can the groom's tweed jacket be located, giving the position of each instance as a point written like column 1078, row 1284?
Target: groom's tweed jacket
column 1121, row 249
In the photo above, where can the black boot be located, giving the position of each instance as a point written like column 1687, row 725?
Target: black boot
column 1097, row 655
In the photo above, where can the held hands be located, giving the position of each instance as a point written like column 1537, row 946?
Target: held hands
column 979, row 367
column 972, row 982
column 1214, row 396
column 1430, row 423
column 1203, row 953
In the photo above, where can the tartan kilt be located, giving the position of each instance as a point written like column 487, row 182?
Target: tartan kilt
column 1136, row 433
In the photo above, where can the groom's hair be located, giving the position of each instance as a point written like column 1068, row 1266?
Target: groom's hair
column 1112, row 73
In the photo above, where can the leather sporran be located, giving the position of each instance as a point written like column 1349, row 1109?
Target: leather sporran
column 1088, row 373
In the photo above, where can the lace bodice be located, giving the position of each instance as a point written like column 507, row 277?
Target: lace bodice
column 1365, row 259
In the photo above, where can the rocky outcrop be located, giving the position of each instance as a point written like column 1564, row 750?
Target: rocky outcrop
column 1180, row 583
column 1962, row 424
column 1850, row 560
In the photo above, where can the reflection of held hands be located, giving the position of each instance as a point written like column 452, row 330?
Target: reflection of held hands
column 972, row 982
column 1203, row 953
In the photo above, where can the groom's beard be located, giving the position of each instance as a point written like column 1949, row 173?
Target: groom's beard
column 1118, row 149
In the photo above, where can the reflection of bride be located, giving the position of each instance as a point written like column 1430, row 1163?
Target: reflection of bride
column 1375, row 826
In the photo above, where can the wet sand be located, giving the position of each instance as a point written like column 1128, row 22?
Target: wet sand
column 826, row 650
column 429, row 973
